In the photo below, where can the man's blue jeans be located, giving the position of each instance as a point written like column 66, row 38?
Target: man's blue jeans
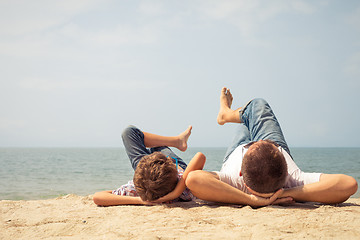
column 133, row 139
column 258, row 123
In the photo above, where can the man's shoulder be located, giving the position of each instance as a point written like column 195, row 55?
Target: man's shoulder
column 291, row 165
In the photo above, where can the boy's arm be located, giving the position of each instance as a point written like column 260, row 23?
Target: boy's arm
column 332, row 188
column 196, row 163
column 106, row 198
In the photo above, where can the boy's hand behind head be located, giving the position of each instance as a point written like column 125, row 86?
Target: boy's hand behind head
column 155, row 176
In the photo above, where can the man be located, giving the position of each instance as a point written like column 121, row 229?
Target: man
column 258, row 169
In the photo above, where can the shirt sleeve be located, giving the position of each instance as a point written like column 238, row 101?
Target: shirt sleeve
column 126, row 190
column 296, row 177
column 300, row 178
column 186, row 195
column 236, row 182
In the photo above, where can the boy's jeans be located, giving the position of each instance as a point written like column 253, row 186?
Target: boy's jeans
column 133, row 139
column 258, row 123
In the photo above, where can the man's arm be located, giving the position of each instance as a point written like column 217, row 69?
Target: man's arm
column 106, row 198
column 332, row 188
column 207, row 186
column 196, row 163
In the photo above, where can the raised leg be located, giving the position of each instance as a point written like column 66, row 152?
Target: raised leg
column 133, row 139
column 226, row 114
column 258, row 119
column 180, row 141
column 137, row 143
column 168, row 152
column 242, row 136
column 262, row 123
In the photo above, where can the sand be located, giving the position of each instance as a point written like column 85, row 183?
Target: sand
column 76, row 217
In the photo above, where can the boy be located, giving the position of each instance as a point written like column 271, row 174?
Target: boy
column 258, row 169
column 159, row 174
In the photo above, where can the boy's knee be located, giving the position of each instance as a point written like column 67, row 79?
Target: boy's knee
column 128, row 131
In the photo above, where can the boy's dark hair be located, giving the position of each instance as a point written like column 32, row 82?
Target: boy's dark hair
column 264, row 168
column 155, row 176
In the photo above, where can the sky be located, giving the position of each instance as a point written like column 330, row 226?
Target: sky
column 76, row 73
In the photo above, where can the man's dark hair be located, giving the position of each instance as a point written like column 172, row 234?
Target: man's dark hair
column 155, row 176
column 264, row 168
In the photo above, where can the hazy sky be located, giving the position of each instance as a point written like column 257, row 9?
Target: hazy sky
column 75, row 73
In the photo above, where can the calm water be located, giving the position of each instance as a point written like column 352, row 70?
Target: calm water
column 38, row 173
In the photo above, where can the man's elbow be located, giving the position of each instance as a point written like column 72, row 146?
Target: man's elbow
column 352, row 185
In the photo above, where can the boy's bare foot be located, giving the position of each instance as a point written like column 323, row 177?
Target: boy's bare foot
column 183, row 138
column 226, row 114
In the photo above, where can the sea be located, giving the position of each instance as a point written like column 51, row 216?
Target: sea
column 43, row 173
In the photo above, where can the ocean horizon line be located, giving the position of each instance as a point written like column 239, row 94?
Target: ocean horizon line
column 122, row 147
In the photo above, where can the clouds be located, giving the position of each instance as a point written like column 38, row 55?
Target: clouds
column 45, row 29
column 71, row 67
column 63, row 29
column 80, row 84
column 251, row 16
column 352, row 66
column 352, row 63
column 353, row 17
column 24, row 17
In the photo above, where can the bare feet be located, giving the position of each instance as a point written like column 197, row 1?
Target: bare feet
column 225, row 105
column 183, row 138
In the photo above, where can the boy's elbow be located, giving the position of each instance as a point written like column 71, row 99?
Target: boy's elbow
column 192, row 179
column 202, row 158
column 201, row 155
column 98, row 199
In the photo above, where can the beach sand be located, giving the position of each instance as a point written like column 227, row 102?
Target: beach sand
column 76, row 217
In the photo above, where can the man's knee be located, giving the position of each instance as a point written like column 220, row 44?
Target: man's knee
column 259, row 102
column 259, row 105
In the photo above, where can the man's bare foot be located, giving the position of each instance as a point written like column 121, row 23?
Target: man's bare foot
column 226, row 114
column 229, row 97
column 225, row 105
column 183, row 138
